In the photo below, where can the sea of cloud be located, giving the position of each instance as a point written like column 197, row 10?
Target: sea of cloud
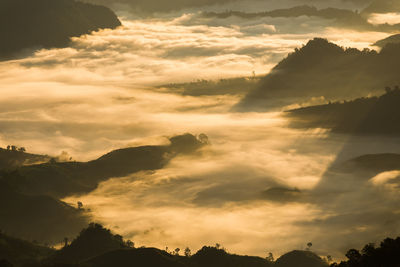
column 99, row 94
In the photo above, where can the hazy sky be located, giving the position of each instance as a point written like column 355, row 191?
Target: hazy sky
column 100, row 94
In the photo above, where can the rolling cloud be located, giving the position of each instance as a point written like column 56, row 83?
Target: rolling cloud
column 102, row 93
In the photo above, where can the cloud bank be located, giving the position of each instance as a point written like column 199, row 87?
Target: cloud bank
column 101, row 93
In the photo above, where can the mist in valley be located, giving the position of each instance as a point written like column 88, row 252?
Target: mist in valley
column 221, row 127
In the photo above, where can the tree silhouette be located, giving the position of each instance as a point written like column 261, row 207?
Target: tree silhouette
column 65, row 241
column 270, row 257
column 353, row 255
column 130, row 244
column 188, row 252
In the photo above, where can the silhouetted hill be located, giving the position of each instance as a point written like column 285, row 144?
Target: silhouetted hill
column 143, row 257
column 98, row 247
column 214, row 257
column 92, row 241
column 18, row 252
column 150, row 257
column 343, row 18
column 321, row 68
column 394, row 39
column 29, row 25
column 40, row 218
column 60, row 179
column 375, row 115
column 11, row 159
column 300, row 258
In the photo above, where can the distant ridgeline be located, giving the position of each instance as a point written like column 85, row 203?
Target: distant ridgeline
column 321, row 68
column 343, row 18
column 27, row 25
column 96, row 246
column 374, row 115
column 29, row 205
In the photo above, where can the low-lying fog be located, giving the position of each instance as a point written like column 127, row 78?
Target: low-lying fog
column 100, row 94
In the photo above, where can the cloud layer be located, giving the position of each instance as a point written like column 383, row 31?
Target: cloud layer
column 100, row 94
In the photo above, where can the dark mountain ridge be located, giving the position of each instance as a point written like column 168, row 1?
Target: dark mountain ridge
column 96, row 246
column 27, row 25
column 60, row 179
column 324, row 69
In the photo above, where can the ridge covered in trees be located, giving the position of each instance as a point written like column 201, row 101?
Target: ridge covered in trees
column 27, row 25
column 97, row 246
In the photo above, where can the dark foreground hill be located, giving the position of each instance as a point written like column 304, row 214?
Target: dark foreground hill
column 27, row 25
column 374, row 115
column 323, row 69
column 96, row 246
column 300, row 258
column 91, row 242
